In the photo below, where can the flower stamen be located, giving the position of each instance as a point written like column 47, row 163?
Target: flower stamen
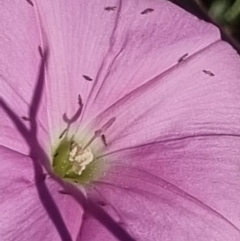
column 75, row 159
column 99, row 133
column 107, row 125
column 79, row 158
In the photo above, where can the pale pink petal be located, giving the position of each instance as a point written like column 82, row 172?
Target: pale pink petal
column 19, row 67
column 115, row 45
column 148, row 45
column 174, row 190
column 78, row 34
column 23, row 216
column 183, row 101
column 71, row 211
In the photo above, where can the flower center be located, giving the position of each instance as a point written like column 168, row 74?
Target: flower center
column 77, row 160
column 79, row 157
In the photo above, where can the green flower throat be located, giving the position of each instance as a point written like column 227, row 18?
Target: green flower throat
column 75, row 162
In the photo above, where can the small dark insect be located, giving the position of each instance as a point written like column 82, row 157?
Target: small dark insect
column 25, row 118
column 63, row 133
column 40, row 51
column 182, row 58
column 56, row 154
column 30, row 2
column 104, row 139
column 148, row 10
column 44, row 176
column 101, row 203
column 63, row 192
column 208, row 72
column 110, row 8
column 87, row 78
column 80, row 100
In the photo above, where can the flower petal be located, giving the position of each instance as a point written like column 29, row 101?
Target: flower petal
column 148, row 45
column 19, row 70
column 187, row 189
column 78, row 35
column 184, row 101
column 99, row 233
column 104, row 49
column 23, row 216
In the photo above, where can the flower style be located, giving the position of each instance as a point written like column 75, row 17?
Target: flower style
column 120, row 120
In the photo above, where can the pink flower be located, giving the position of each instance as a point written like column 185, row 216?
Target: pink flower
column 156, row 148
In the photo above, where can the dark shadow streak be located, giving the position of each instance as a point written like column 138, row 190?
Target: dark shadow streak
column 93, row 209
column 74, row 118
column 36, row 99
column 98, row 213
column 37, row 155
column 40, row 159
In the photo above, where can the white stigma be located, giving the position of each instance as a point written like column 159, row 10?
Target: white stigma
column 80, row 157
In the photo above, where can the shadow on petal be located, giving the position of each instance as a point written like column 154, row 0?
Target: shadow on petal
column 40, row 160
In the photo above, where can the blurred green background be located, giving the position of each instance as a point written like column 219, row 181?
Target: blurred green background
column 226, row 13
column 223, row 13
